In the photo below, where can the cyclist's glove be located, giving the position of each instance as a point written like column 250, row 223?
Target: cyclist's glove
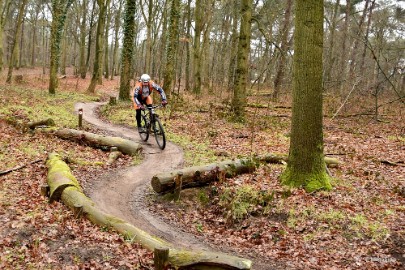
column 141, row 107
column 164, row 102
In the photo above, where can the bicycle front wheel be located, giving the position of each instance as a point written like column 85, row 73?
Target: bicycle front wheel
column 159, row 133
column 144, row 132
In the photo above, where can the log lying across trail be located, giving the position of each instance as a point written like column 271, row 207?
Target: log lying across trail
column 125, row 146
column 204, row 174
column 64, row 186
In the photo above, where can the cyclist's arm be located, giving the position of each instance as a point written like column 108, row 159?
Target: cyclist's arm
column 136, row 95
column 160, row 90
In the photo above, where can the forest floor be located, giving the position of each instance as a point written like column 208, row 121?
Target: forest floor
column 360, row 224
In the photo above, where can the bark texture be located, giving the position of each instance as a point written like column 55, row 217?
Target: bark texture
column 306, row 166
column 64, row 186
column 127, row 49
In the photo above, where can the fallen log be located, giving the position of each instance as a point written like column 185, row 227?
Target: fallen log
column 60, row 178
column 46, row 122
column 125, row 146
column 201, row 175
column 204, row 174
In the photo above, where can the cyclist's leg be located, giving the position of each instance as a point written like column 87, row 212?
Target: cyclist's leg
column 148, row 101
column 138, row 114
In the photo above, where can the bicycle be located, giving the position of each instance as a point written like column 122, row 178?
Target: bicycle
column 150, row 122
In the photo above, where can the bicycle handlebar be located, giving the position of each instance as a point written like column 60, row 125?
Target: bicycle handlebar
column 153, row 107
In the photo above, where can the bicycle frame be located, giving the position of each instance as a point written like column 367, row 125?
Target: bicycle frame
column 151, row 123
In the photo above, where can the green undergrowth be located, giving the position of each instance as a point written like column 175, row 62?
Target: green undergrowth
column 245, row 201
column 195, row 153
column 121, row 113
column 18, row 106
column 351, row 225
column 21, row 105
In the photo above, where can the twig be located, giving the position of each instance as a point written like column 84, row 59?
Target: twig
column 19, row 167
column 399, row 163
column 344, row 102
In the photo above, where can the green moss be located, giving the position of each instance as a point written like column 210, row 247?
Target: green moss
column 396, row 138
column 245, row 201
column 333, row 217
column 203, row 197
column 310, row 182
column 56, row 165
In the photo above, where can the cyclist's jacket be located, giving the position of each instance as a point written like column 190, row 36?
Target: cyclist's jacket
column 143, row 91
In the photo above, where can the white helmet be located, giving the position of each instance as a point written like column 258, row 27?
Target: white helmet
column 145, row 78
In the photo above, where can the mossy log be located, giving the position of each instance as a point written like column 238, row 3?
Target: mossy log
column 204, row 174
column 201, row 175
column 60, row 178
column 125, row 146
column 46, row 122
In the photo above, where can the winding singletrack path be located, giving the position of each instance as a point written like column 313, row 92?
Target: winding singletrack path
column 122, row 193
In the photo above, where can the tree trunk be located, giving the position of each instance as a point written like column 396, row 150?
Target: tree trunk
column 106, row 45
column 59, row 11
column 98, row 59
column 197, row 48
column 34, row 37
column 343, row 55
column 187, row 44
column 283, row 52
column 205, row 174
column 4, row 9
column 330, row 58
column 171, row 53
column 90, row 31
column 306, row 165
column 241, row 76
column 64, row 52
column 14, row 46
column 125, row 146
column 234, row 46
column 65, row 187
column 117, row 24
column 128, row 49
column 83, row 67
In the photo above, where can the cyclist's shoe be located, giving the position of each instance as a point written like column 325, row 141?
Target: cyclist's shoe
column 141, row 130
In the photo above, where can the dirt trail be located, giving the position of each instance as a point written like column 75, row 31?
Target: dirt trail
column 122, row 193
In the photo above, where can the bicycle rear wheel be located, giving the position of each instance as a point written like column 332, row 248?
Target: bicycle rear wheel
column 144, row 133
column 159, row 133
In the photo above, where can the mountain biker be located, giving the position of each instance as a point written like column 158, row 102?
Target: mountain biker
column 142, row 95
